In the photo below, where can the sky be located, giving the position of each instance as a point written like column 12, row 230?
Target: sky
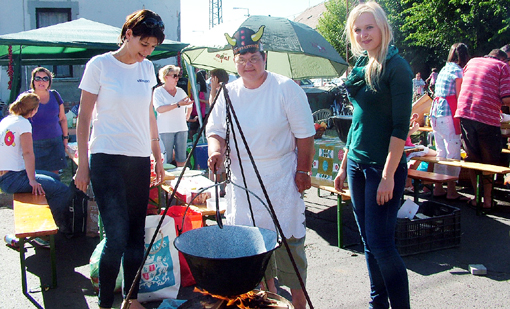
column 195, row 13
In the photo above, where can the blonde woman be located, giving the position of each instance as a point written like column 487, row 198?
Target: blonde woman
column 380, row 88
column 174, row 108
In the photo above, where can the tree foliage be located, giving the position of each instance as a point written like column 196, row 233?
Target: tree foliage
column 482, row 25
column 332, row 25
column 425, row 30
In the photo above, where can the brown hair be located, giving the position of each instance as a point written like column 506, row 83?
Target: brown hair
column 221, row 74
column 41, row 69
column 25, row 103
column 143, row 23
column 459, row 54
column 498, row 54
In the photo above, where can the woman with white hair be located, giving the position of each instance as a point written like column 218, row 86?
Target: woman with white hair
column 380, row 88
column 172, row 105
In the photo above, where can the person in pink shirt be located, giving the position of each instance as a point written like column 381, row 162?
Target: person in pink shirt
column 485, row 88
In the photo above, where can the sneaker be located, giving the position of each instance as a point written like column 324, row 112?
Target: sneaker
column 409, row 190
column 41, row 242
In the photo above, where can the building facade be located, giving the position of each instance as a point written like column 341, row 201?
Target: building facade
column 23, row 15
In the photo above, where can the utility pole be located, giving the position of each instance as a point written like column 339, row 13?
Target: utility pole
column 215, row 13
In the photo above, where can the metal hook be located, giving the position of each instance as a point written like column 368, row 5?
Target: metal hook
column 216, row 190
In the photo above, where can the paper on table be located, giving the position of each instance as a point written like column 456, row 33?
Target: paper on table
column 408, row 210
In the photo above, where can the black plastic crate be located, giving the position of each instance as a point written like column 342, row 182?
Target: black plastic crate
column 440, row 231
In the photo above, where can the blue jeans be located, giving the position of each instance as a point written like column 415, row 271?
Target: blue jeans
column 175, row 141
column 121, row 188
column 58, row 194
column 50, row 154
column 388, row 274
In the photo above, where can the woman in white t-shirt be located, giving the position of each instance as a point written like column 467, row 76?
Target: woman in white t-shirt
column 117, row 86
column 174, row 108
column 17, row 166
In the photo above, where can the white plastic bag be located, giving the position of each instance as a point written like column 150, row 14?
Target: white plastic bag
column 161, row 277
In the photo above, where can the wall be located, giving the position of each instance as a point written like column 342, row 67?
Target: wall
column 21, row 17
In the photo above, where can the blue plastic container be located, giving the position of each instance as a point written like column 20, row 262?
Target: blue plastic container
column 200, row 155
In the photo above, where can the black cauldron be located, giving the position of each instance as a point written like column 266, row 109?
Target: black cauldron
column 228, row 261
column 342, row 125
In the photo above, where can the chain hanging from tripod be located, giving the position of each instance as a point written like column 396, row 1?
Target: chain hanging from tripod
column 231, row 118
column 230, row 129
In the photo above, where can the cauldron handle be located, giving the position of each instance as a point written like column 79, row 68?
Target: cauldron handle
column 216, row 189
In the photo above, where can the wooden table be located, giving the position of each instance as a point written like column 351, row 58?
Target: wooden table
column 488, row 170
column 167, row 187
column 328, row 185
column 328, row 156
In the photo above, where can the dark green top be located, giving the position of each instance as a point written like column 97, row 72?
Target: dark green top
column 378, row 115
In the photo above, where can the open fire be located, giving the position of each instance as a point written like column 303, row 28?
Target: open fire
column 251, row 300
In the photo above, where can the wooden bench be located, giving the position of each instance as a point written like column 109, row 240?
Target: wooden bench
column 327, row 185
column 427, row 177
column 33, row 218
column 487, row 171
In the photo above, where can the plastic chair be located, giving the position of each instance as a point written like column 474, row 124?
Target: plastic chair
column 321, row 115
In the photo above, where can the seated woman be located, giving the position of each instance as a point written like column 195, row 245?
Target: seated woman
column 17, row 167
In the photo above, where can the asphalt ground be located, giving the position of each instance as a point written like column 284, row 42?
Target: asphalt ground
column 337, row 278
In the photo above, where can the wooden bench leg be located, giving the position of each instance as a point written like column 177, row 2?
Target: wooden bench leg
column 339, row 221
column 23, row 268
column 338, row 217
column 416, row 186
column 53, row 262
column 53, row 257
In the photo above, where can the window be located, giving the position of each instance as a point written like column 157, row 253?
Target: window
column 51, row 16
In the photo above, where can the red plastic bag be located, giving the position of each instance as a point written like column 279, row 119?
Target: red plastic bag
column 153, row 205
column 193, row 220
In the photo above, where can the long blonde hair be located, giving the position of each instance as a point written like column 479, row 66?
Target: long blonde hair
column 374, row 67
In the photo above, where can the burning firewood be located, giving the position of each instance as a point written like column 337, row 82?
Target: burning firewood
column 249, row 300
